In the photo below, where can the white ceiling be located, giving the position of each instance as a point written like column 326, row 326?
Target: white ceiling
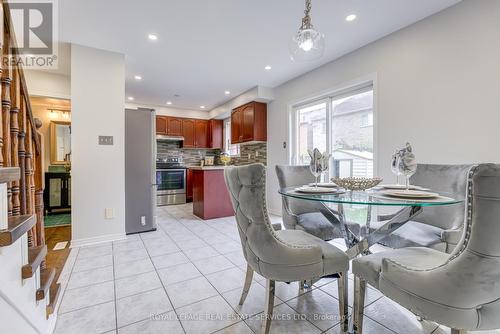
column 207, row 47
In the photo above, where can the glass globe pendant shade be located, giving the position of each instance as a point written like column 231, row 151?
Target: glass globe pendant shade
column 307, row 45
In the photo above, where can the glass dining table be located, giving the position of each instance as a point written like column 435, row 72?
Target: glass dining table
column 369, row 233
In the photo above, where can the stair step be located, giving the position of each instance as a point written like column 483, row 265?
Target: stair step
column 46, row 277
column 36, row 255
column 55, row 294
column 9, row 174
column 17, row 227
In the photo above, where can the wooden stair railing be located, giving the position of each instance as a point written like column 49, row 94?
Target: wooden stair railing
column 19, row 138
column 21, row 167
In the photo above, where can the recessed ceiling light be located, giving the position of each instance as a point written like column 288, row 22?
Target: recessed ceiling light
column 227, row 92
column 137, row 77
column 169, row 102
column 202, row 107
column 350, row 18
column 267, row 68
column 130, row 98
column 153, row 37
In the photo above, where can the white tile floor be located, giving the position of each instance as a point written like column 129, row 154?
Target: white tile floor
column 187, row 278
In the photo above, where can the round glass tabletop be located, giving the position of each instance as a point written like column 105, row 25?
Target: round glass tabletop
column 369, row 197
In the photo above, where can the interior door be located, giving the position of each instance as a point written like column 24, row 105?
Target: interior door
column 236, row 127
column 188, row 132
column 201, row 133
column 247, row 115
column 174, row 126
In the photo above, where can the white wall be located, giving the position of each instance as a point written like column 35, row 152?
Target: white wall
column 258, row 93
column 437, row 87
column 42, row 83
column 171, row 111
column 98, row 172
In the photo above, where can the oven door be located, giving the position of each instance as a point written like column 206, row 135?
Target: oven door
column 171, row 181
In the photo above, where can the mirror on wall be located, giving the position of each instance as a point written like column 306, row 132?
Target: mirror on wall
column 60, row 142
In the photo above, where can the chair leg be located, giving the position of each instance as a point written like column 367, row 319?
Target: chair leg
column 343, row 286
column 246, row 287
column 359, row 304
column 268, row 311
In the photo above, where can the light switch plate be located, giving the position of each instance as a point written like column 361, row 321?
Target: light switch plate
column 105, row 140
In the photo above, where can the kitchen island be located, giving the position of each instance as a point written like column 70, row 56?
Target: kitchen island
column 210, row 196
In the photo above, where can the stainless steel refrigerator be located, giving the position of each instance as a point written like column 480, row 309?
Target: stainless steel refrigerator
column 140, row 170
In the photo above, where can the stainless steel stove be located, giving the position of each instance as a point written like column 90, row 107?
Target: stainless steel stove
column 170, row 181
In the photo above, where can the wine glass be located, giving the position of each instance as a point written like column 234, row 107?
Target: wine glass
column 407, row 165
column 394, row 166
column 315, row 167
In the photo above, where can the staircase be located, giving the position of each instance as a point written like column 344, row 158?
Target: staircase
column 28, row 291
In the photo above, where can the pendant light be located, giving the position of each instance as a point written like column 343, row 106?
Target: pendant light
column 307, row 44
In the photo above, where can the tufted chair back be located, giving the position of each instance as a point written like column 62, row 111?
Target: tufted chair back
column 450, row 179
column 262, row 248
column 469, row 281
column 294, row 176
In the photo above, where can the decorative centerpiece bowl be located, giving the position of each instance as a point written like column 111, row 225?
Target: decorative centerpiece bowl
column 356, row 183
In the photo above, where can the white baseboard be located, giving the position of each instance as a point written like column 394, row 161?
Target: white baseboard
column 97, row 240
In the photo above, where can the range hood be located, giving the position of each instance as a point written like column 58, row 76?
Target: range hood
column 169, row 138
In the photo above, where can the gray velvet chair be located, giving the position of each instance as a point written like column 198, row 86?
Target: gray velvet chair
column 286, row 255
column 436, row 228
column 460, row 290
column 303, row 215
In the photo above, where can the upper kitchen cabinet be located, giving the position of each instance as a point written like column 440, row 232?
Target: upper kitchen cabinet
column 161, row 125
column 171, row 126
column 201, row 133
column 215, row 130
column 249, row 123
column 174, row 126
column 188, row 132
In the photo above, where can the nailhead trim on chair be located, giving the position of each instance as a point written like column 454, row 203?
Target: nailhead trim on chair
column 468, row 227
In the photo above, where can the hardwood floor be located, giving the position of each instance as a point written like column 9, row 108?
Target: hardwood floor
column 57, row 258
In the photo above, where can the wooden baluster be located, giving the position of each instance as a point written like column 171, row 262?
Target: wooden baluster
column 1, row 113
column 14, row 138
column 38, row 189
column 6, row 149
column 28, row 169
column 21, row 155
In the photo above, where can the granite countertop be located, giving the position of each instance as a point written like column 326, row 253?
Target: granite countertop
column 207, row 167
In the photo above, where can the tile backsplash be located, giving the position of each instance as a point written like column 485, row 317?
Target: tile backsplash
column 191, row 157
column 250, row 153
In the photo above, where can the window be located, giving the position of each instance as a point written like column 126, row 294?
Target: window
column 311, row 132
column 339, row 124
column 232, row 150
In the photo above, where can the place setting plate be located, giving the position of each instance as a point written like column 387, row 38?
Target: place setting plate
column 400, row 187
column 324, row 185
column 318, row 190
column 410, row 194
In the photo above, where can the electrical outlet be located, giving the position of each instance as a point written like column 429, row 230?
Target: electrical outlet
column 109, row 213
column 143, row 220
column 256, row 154
column 249, row 156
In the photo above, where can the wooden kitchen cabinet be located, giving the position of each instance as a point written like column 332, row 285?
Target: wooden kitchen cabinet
column 188, row 131
column 215, row 133
column 174, row 126
column 161, row 125
column 236, row 123
column 249, row 123
column 201, row 133
column 189, row 185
